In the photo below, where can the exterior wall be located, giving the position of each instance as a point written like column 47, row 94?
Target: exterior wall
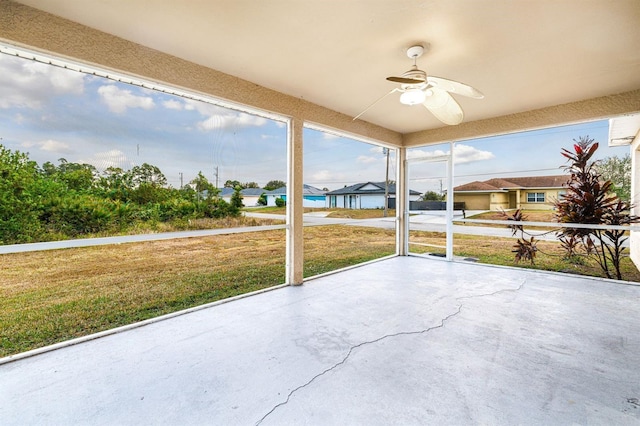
column 498, row 201
column 472, row 201
column 316, row 201
column 250, row 200
column 370, row 201
column 361, row 201
column 550, row 195
column 271, row 199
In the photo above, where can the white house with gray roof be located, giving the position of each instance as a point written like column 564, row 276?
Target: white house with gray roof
column 367, row 195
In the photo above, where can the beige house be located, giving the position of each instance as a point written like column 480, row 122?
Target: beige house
column 530, row 193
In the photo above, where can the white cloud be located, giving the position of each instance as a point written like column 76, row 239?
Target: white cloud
column 462, row 154
column 112, row 158
column 468, row 154
column 118, row 100
column 173, row 104
column 30, row 84
column 376, row 149
column 365, row 159
column 54, row 146
column 49, row 145
column 322, row 175
column 326, row 135
column 219, row 118
column 228, row 120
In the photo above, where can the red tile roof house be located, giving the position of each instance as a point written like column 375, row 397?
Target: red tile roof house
column 530, row 193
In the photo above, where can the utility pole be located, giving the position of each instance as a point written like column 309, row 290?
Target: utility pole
column 386, row 185
column 181, row 177
column 216, row 175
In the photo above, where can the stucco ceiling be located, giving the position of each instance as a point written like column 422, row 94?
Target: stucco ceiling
column 523, row 55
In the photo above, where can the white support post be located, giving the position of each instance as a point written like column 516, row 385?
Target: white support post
column 449, row 227
column 402, row 203
column 634, row 240
column 294, row 234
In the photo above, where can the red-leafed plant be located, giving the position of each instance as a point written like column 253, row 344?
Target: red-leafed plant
column 589, row 200
column 524, row 249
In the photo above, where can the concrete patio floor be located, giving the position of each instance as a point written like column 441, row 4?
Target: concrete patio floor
column 406, row 340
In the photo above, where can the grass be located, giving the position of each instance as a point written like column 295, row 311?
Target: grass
column 52, row 296
column 529, row 215
column 337, row 213
column 497, row 251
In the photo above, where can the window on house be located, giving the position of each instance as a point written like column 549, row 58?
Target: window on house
column 535, row 197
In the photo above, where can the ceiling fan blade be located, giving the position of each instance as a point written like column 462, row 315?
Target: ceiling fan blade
column 405, row 80
column 443, row 106
column 378, row 100
column 454, row 87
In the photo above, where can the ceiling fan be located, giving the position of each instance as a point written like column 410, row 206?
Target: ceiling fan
column 416, row 87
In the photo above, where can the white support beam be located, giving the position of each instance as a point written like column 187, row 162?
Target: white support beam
column 634, row 240
column 449, row 215
column 294, row 234
column 402, row 203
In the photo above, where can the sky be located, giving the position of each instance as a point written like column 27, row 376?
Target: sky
column 52, row 113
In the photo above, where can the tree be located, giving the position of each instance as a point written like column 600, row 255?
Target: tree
column 201, row 184
column 618, row 171
column 432, row 196
column 115, row 183
column 262, row 200
column 232, row 184
column 149, row 184
column 250, row 185
column 148, row 174
column 76, row 176
column 274, row 184
column 236, row 202
column 22, row 193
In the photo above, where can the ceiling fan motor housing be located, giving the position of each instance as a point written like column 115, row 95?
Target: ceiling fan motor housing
column 416, row 74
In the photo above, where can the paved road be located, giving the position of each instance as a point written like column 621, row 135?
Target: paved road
column 433, row 222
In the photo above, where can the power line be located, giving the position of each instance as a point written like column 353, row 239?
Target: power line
column 486, row 174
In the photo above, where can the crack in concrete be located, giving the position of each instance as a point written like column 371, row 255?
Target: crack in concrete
column 504, row 290
column 401, row 333
column 386, row 336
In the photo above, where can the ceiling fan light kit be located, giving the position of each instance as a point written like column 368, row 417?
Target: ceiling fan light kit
column 416, row 87
column 413, row 97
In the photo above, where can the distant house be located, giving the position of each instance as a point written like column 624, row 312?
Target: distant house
column 249, row 195
column 531, row 193
column 367, row 195
column 311, row 196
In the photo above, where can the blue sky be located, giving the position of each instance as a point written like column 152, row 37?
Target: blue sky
column 54, row 113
